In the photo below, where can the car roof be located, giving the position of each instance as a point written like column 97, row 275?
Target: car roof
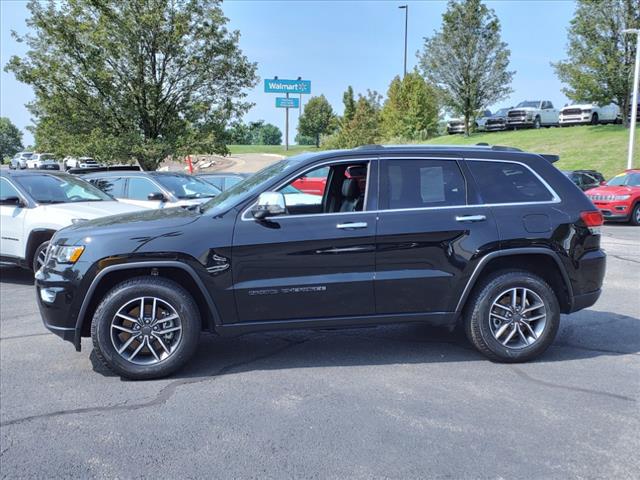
column 133, row 173
column 24, row 173
column 221, row 174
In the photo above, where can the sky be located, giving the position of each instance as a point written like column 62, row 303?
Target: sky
column 339, row 43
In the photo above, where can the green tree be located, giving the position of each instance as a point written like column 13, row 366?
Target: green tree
column 269, row 134
column 363, row 128
column 349, row 104
column 317, row 118
column 410, row 110
column 10, row 139
column 599, row 67
column 239, row 134
column 467, row 60
column 141, row 78
column 304, row 140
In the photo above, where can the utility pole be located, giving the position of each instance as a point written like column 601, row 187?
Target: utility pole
column 634, row 105
column 406, row 25
column 286, row 127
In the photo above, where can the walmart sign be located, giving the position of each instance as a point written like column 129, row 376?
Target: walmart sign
column 287, row 86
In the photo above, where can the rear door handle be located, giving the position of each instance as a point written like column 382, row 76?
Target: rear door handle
column 351, row 225
column 471, row 218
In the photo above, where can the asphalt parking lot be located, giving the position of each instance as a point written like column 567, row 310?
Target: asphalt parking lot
column 404, row 401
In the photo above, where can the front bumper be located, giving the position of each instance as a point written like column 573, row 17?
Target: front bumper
column 495, row 127
column 519, row 122
column 58, row 302
column 574, row 120
column 614, row 211
column 455, row 129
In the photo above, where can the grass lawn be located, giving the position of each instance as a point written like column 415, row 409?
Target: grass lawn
column 602, row 147
column 278, row 149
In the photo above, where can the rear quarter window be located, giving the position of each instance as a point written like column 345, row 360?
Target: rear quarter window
column 507, row 182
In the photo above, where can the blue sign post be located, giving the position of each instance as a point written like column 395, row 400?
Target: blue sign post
column 298, row 86
column 284, row 102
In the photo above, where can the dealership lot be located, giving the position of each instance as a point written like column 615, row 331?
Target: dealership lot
column 400, row 401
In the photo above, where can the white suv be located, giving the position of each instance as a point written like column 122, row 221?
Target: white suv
column 592, row 113
column 43, row 160
column 34, row 205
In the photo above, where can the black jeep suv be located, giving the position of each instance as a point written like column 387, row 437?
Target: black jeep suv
column 493, row 238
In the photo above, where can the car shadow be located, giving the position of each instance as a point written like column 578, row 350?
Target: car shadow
column 16, row 275
column 582, row 336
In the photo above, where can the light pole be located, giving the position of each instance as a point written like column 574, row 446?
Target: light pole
column 634, row 106
column 406, row 24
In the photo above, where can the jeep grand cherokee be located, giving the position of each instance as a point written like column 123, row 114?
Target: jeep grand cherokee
column 492, row 238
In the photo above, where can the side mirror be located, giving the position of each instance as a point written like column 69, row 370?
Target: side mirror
column 270, row 204
column 11, row 201
column 156, row 196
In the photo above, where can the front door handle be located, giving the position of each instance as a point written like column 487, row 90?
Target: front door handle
column 351, row 225
column 471, row 218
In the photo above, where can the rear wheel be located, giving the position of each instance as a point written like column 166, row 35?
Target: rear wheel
column 146, row 328
column 513, row 316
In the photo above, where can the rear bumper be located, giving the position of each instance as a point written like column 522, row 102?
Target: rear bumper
column 587, row 280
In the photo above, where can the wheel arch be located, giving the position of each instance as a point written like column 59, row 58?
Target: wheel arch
column 36, row 237
column 541, row 261
column 179, row 272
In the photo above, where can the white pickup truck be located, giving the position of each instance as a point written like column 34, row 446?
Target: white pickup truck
column 592, row 113
column 533, row 113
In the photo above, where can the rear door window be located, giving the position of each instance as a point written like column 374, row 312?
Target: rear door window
column 421, row 183
column 508, row 182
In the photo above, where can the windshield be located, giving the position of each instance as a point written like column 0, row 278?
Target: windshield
column 625, row 179
column 186, row 187
column 60, row 189
column 249, row 186
column 528, row 104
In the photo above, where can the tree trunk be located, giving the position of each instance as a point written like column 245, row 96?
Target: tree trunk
column 317, row 140
column 466, row 124
column 624, row 110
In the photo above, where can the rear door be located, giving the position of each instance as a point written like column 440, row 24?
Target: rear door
column 428, row 231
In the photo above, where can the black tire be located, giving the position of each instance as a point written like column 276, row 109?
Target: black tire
column 477, row 318
column 38, row 256
column 125, row 292
column 594, row 119
column 537, row 123
column 635, row 215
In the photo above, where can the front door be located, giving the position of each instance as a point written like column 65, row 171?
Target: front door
column 11, row 223
column 316, row 261
column 427, row 233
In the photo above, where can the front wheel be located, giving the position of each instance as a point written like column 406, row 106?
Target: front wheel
column 594, row 119
column 513, row 316
column 147, row 327
column 635, row 215
column 39, row 256
column 536, row 123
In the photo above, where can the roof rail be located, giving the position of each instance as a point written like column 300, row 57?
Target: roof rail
column 369, row 146
column 114, row 168
column 502, row 148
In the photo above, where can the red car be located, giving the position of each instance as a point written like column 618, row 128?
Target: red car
column 619, row 198
column 314, row 182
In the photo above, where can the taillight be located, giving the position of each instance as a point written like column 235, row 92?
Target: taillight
column 592, row 218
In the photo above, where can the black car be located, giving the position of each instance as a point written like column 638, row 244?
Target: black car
column 223, row 180
column 492, row 238
column 585, row 179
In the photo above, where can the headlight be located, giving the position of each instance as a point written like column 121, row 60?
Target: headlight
column 66, row 254
column 621, row 197
column 588, row 110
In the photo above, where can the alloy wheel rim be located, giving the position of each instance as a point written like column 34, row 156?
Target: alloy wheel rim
column 42, row 255
column 637, row 214
column 146, row 331
column 517, row 318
